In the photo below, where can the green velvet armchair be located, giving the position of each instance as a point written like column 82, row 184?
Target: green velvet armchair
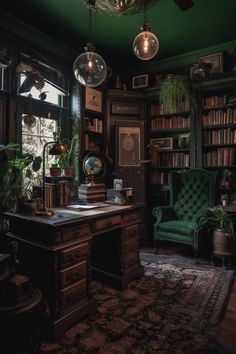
column 190, row 192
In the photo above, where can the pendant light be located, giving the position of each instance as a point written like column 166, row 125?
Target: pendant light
column 89, row 67
column 145, row 44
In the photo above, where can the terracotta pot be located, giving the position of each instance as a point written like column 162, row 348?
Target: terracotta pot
column 69, row 171
column 55, row 171
column 222, row 242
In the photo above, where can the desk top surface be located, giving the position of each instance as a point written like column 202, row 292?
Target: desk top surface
column 68, row 214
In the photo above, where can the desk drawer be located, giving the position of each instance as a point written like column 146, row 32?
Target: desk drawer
column 74, row 254
column 129, row 259
column 132, row 217
column 107, row 222
column 73, row 294
column 74, row 232
column 72, row 274
column 131, row 232
column 130, row 246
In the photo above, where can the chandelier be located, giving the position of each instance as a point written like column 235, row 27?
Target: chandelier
column 119, row 7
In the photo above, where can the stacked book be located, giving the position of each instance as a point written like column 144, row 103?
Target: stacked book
column 92, row 193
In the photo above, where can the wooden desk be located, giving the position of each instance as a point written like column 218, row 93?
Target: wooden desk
column 62, row 253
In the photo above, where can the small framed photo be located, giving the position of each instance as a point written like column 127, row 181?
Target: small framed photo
column 216, row 61
column 163, row 143
column 140, row 81
column 184, row 141
column 93, row 100
column 117, row 184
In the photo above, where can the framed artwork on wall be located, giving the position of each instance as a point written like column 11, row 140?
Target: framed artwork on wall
column 216, row 61
column 140, row 81
column 129, row 139
column 93, row 100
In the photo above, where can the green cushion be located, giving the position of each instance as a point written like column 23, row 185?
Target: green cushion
column 179, row 227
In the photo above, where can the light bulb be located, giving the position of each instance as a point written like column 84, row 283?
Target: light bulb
column 145, row 44
column 90, row 69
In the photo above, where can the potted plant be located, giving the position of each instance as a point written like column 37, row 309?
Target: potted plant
column 12, row 189
column 218, row 220
column 174, row 94
column 66, row 162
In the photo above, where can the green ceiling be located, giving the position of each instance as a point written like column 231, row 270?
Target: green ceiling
column 207, row 23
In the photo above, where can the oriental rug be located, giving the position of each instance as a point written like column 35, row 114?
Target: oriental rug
column 174, row 308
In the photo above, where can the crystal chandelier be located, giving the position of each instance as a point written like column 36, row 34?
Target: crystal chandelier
column 119, row 7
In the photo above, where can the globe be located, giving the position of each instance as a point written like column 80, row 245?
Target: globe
column 93, row 166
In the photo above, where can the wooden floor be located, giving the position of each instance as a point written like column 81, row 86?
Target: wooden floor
column 226, row 333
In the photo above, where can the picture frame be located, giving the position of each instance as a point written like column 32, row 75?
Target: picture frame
column 140, row 81
column 93, row 100
column 184, row 141
column 129, row 142
column 162, row 143
column 216, row 60
column 128, row 108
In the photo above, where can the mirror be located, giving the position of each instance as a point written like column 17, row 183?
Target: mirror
column 93, row 167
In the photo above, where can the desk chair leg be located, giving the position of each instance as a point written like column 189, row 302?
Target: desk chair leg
column 156, row 247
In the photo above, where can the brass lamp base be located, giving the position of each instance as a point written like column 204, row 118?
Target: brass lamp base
column 44, row 212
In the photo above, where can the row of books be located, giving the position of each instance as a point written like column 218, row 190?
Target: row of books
column 219, row 136
column 219, row 116
column 158, row 177
column 214, row 101
column 174, row 159
column 172, row 122
column 93, row 124
column 219, row 157
column 56, row 194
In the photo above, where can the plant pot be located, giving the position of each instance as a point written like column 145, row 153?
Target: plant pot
column 55, row 171
column 30, row 206
column 69, row 171
column 222, row 243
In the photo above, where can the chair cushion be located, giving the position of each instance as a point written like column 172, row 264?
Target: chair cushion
column 180, row 227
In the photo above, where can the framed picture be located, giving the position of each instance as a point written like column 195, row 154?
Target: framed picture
column 163, row 143
column 93, row 100
column 216, row 61
column 183, row 141
column 129, row 139
column 124, row 108
column 140, row 81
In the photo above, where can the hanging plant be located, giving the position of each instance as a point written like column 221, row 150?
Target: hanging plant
column 174, row 94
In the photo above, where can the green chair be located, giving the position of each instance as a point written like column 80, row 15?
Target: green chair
column 190, row 192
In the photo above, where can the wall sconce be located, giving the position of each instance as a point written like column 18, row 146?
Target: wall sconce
column 58, row 149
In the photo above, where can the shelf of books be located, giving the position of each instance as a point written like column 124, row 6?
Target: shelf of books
column 218, row 131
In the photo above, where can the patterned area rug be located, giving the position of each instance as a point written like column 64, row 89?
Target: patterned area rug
column 173, row 308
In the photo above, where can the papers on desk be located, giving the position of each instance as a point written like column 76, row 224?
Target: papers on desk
column 86, row 206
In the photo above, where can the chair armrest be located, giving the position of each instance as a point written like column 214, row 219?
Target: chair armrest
column 164, row 213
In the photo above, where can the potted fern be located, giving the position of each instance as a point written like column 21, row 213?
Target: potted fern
column 218, row 220
column 174, row 94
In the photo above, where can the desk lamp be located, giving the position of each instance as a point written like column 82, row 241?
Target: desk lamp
column 58, row 149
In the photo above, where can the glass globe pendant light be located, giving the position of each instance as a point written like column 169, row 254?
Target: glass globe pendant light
column 145, row 44
column 89, row 67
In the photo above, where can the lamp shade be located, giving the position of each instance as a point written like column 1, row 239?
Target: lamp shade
column 58, row 149
column 90, row 69
column 145, row 44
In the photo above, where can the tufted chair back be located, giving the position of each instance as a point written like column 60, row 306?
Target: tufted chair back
column 191, row 191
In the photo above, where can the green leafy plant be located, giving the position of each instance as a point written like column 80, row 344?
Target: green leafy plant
column 216, row 218
column 12, row 164
column 174, row 94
